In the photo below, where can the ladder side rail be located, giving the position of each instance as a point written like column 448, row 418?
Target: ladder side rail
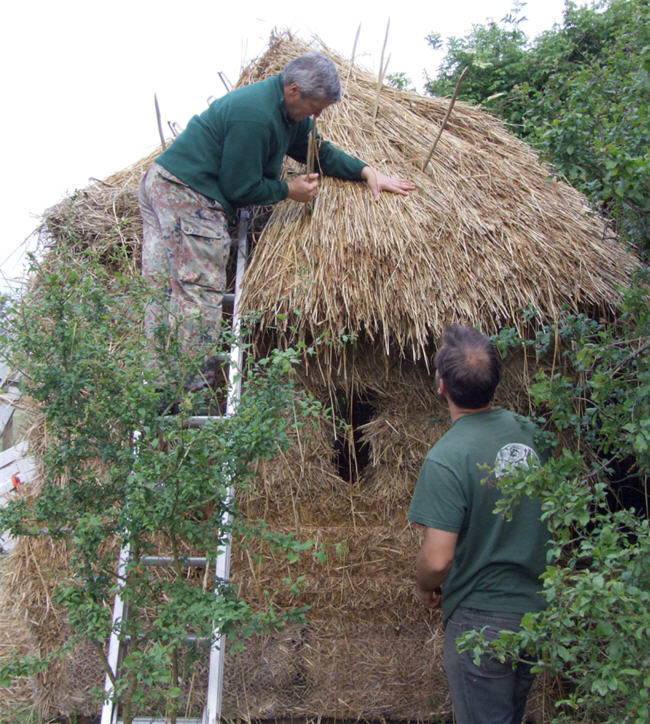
column 237, row 350
column 109, row 707
column 120, row 612
column 212, row 711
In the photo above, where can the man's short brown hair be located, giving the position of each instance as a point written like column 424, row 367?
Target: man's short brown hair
column 469, row 365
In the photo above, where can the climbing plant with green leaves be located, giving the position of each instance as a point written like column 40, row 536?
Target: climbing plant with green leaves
column 117, row 471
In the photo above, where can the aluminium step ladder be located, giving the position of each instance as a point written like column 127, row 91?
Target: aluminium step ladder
column 212, row 710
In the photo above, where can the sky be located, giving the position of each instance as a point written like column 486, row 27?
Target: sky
column 79, row 77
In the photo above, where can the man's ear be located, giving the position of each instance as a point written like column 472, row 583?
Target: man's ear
column 442, row 388
column 292, row 91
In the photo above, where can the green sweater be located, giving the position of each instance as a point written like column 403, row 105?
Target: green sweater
column 497, row 562
column 233, row 151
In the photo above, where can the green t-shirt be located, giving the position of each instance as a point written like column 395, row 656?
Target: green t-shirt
column 497, row 563
column 233, row 152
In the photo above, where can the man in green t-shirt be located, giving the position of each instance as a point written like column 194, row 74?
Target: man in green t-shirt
column 481, row 568
column 229, row 157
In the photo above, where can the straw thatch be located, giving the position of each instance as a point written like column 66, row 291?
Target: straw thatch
column 486, row 231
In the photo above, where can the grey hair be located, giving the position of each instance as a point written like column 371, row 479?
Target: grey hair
column 315, row 75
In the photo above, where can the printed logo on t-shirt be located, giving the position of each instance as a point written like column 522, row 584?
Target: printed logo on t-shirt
column 514, row 455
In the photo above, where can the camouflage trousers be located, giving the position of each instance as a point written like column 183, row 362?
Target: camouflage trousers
column 185, row 249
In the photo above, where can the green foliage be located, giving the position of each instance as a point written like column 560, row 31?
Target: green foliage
column 496, row 60
column 595, row 632
column 400, row 81
column 19, row 714
column 118, row 472
column 592, row 121
column 579, row 93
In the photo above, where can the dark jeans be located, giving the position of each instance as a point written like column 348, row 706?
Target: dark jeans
column 491, row 693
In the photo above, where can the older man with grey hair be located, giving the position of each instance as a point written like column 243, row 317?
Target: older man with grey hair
column 228, row 157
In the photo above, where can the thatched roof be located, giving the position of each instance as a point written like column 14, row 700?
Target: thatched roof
column 487, row 230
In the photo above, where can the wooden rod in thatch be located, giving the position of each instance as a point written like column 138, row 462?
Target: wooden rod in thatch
column 224, row 79
column 311, row 154
column 385, row 68
column 446, row 118
column 354, row 51
column 382, row 71
column 159, row 121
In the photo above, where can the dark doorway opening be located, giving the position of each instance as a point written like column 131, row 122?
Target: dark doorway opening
column 352, row 455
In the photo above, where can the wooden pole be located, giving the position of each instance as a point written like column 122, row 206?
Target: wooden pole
column 158, row 119
column 382, row 71
column 311, row 157
column 354, row 50
column 446, row 118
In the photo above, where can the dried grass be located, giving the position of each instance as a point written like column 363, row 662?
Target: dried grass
column 104, row 217
column 327, row 672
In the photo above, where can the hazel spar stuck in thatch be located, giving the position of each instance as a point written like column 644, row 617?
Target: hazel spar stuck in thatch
column 487, row 230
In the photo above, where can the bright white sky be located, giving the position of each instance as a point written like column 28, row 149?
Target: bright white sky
column 78, row 76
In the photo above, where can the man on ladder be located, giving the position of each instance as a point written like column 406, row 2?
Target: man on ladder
column 230, row 157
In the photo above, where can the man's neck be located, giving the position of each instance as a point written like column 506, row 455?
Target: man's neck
column 456, row 412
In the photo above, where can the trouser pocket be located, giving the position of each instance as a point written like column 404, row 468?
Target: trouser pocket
column 203, row 252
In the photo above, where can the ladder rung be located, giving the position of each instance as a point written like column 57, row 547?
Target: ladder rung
column 191, row 561
column 189, row 638
column 149, row 720
column 197, row 420
column 200, row 420
column 192, row 639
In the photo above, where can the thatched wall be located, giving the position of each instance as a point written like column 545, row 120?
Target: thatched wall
column 369, row 649
column 486, row 231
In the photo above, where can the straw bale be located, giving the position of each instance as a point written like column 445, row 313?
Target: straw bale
column 399, row 438
column 14, row 637
column 305, row 472
column 31, row 622
column 487, row 230
column 359, row 568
